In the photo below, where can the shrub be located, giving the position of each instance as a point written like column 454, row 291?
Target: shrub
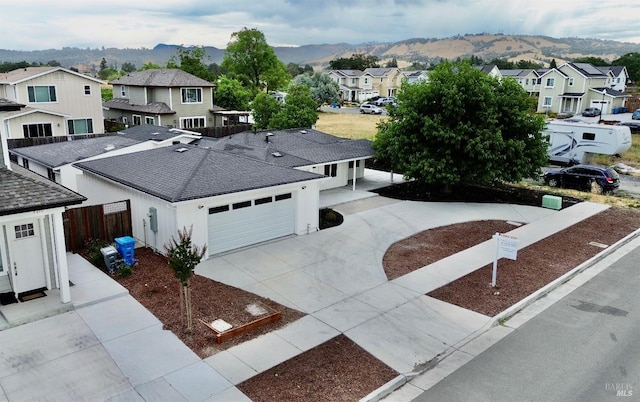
column 124, row 271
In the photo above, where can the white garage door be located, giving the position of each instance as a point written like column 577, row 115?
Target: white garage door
column 249, row 222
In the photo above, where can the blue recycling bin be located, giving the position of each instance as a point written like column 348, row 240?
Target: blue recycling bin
column 125, row 246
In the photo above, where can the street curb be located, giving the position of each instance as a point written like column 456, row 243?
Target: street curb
column 403, row 379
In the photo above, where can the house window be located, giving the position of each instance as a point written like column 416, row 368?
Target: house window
column 80, row 126
column 123, row 91
column 366, row 80
column 539, row 81
column 570, row 81
column 217, row 210
column 37, row 130
column 23, row 231
column 242, row 204
column 353, row 81
column 618, row 80
column 87, row 90
column 191, row 95
column 264, row 200
column 526, row 81
column 547, row 101
column 283, row 197
column 51, row 174
column 42, row 93
column 25, row 163
column 589, row 136
column 331, row 170
column 351, row 164
column 550, row 82
column 192, row 122
column 149, row 120
column 137, row 119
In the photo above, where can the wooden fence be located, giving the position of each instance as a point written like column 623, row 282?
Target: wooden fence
column 96, row 222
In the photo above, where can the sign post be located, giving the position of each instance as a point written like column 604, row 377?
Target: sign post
column 507, row 247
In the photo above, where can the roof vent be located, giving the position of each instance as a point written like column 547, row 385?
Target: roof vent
column 276, row 154
column 156, row 133
column 181, row 150
column 109, row 148
column 303, row 131
column 266, row 138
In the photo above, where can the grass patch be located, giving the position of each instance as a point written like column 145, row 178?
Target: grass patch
column 347, row 125
column 630, row 158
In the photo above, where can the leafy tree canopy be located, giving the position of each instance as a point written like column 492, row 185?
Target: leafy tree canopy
column 263, row 108
column 357, row 61
column 128, row 67
column 150, row 66
column 632, row 62
column 462, row 126
column 191, row 61
column 323, row 88
column 392, row 63
column 594, row 61
column 250, row 59
column 232, row 95
column 299, row 109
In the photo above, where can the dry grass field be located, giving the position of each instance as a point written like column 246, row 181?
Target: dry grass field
column 348, row 125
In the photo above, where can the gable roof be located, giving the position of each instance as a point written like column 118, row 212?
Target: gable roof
column 380, row 71
column 27, row 110
column 24, row 194
column 61, row 153
column 169, row 77
column 145, row 132
column 7, row 105
column 184, row 172
column 24, row 74
column 615, row 70
column 518, row 72
column 297, row 147
column 586, row 69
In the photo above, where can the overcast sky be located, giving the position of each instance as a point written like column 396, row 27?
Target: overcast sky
column 46, row 24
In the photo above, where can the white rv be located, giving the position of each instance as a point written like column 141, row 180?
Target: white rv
column 573, row 142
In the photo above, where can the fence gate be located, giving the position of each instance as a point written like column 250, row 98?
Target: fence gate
column 96, row 222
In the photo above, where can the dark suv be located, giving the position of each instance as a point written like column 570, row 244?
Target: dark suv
column 591, row 112
column 584, row 177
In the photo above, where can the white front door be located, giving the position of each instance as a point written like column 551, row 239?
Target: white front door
column 27, row 267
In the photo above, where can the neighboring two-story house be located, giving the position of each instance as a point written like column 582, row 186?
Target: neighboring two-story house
column 617, row 77
column 49, row 101
column 386, row 81
column 355, row 85
column 163, row 97
column 414, row 76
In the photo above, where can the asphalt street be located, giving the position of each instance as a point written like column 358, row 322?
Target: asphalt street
column 583, row 348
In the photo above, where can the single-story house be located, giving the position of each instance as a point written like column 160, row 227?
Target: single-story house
column 55, row 160
column 32, row 246
column 234, row 191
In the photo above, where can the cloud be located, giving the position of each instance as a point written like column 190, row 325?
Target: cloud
column 144, row 23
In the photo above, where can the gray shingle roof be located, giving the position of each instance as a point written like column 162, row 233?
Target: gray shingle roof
column 23, row 194
column 9, row 105
column 170, row 77
column 146, row 132
column 297, row 147
column 151, row 108
column 195, row 173
column 61, row 153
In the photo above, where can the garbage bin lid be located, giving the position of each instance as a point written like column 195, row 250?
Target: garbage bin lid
column 108, row 250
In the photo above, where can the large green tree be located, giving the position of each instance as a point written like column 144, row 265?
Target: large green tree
column 192, row 62
column 263, row 108
column 250, row 59
column 299, row 109
column 323, row 88
column 357, row 61
column 463, row 126
column 632, row 62
column 232, row 95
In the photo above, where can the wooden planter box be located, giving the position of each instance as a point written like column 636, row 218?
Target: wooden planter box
column 268, row 319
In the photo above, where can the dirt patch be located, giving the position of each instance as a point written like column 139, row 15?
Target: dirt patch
column 538, row 264
column 155, row 287
column 337, row 370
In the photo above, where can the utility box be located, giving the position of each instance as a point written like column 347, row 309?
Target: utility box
column 110, row 255
column 126, row 246
column 153, row 219
column 552, row 202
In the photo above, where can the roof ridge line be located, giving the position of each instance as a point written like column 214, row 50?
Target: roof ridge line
column 195, row 169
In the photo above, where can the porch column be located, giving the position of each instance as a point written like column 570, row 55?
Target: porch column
column 354, row 175
column 60, row 254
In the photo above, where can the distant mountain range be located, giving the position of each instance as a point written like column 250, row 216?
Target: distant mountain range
column 485, row 46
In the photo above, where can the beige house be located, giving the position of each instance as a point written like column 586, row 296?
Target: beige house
column 163, row 97
column 49, row 101
column 355, row 85
column 386, row 81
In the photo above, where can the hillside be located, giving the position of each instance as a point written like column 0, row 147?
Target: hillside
column 485, row 46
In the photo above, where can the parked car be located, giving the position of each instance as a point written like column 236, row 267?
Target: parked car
column 634, row 126
column 370, row 108
column 384, row 101
column 591, row 112
column 584, row 177
column 636, row 115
